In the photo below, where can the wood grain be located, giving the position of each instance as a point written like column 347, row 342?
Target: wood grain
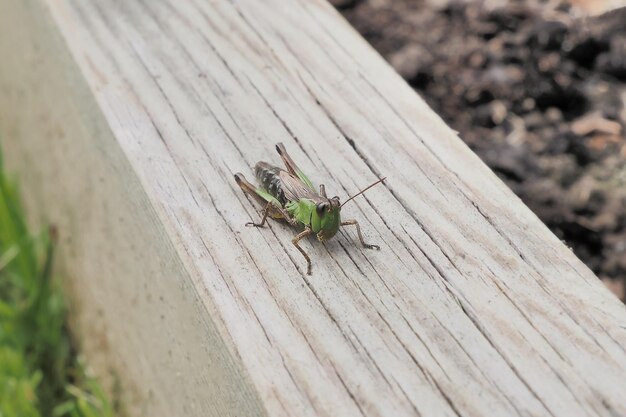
column 471, row 308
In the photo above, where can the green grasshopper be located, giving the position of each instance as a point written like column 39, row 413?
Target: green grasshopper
column 291, row 196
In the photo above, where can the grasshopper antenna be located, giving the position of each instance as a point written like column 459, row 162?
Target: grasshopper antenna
column 364, row 190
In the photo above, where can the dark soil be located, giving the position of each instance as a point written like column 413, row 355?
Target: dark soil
column 537, row 93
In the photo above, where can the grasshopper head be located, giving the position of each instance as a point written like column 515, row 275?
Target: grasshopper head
column 325, row 219
column 328, row 214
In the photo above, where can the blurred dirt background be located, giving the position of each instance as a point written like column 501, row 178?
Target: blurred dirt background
column 537, row 90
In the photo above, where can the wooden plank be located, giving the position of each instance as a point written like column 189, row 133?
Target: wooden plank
column 139, row 318
column 128, row 119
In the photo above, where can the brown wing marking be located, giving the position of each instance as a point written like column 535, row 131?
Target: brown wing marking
column 295, row 189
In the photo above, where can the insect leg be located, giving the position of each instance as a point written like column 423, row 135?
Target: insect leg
column 288, row 217
column 306, row 232
column 323, row 190
column 271, row 210
column 248, row 188
column 358, row 230
column 289, row 164
column 292, row 168
column 266, row 211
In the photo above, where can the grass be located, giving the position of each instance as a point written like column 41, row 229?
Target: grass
column 40, row 374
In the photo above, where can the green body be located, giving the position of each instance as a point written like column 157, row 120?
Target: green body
column 324, row 224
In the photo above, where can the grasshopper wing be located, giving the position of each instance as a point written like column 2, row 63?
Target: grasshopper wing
column 292, row 168
column 295, row 189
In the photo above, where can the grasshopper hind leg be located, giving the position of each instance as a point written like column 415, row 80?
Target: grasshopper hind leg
column 266, row 211
column 248, row 188
column 270, row 208
column 291, row 166
column 273, row 212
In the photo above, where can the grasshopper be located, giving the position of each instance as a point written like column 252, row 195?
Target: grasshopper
column 291, row 196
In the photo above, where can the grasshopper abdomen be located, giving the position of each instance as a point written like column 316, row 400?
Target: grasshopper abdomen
column 268, row 177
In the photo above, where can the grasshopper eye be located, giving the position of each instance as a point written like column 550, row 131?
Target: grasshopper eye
column 321, row 207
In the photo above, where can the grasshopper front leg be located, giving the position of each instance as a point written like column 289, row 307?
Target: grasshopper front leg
column 358, row 230
column 306, row 232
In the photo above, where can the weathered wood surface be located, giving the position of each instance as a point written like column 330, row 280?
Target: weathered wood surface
column 126, row 120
